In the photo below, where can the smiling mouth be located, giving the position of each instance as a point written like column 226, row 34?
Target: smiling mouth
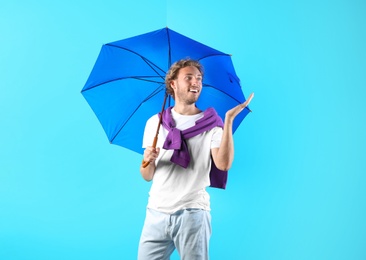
column 193, row 90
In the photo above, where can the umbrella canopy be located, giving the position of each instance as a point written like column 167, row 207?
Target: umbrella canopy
column 126, row 85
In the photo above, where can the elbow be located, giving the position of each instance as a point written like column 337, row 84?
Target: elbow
column 222, row 159
column 223, row 166
column 147, row 176
column 148, row 179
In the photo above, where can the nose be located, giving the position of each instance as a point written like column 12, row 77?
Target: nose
column 195, row 81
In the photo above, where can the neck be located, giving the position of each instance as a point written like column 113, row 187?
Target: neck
column 186, row 109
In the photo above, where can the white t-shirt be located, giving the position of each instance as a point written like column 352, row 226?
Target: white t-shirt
column 174, row 187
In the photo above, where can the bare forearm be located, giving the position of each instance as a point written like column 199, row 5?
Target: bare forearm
column 150, row 155
column 225, row 153
column 148, row 172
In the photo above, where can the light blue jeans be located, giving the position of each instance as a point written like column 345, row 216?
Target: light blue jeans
column 186, row 230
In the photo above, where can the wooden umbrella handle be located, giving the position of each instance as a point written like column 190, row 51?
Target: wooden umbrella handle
column 145, row 164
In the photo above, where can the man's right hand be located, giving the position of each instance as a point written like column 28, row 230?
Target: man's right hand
column 151, row 153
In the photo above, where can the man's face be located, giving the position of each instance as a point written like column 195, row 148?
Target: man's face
column 188, row 85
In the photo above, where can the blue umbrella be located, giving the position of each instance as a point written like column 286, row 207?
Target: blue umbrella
column 126, row 85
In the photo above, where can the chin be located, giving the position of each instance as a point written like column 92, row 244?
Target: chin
column 191, row 102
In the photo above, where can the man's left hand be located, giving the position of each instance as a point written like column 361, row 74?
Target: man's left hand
column 232, row 113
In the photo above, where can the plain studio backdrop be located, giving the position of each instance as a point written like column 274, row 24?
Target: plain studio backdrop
column 297, row 186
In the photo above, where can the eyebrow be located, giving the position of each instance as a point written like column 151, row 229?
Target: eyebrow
column 191, row 74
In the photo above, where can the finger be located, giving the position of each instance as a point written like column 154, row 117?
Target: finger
column 152, row 154
column 247, row 102
column 148, row 149
column 249, row 99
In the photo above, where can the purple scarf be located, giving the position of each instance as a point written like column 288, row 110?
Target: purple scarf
column 176, row 140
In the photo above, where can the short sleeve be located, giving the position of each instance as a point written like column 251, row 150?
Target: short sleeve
column 216, row 137
column 150, row 131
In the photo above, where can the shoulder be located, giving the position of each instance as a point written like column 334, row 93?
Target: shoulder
column 153, row 120
column 211, row 114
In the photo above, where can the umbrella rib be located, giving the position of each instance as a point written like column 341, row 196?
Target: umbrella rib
column 211, row 55
column 154, row 93
column 169, row 49
column 147, row 61
column 143, row 78
column 210, row 86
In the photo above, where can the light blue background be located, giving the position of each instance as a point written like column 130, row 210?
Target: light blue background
column 297, row 186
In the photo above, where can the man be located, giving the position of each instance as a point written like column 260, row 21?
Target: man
column 178, row 210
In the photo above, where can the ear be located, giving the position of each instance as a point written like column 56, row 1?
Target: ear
column 172, row 84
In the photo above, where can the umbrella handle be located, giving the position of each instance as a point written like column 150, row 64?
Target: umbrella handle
column 145, row 164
